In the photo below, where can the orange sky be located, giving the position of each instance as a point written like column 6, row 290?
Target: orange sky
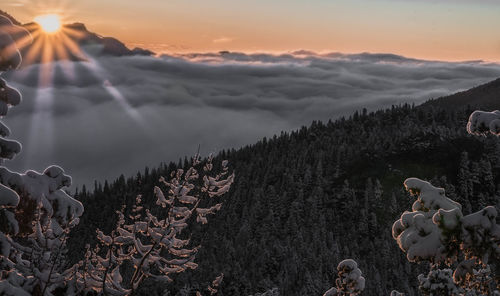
column 430, row 29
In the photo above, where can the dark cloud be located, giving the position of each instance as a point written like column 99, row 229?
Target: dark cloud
column 115, row 115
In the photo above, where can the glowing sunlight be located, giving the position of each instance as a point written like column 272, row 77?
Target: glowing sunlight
column 50, row 23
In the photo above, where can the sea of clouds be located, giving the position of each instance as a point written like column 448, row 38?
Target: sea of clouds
column 113, row 115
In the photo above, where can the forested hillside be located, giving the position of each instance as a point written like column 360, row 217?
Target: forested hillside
column 486, row 96
column 303, row 201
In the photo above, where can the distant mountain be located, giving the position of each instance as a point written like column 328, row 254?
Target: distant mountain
column 89, row 42
column 74, row 34
column 305, row 200
column 486, row 97
column 110, row 46
column 13, row 20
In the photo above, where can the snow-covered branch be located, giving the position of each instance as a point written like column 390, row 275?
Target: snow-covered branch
column 350, row 280
column 36, row 213
column 154, row 244
column 481, row 122
column 437, row 231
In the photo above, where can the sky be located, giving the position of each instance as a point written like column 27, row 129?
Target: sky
column 451, row 30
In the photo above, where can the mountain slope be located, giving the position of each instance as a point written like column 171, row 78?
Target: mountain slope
column 305, row 200
column 486, row 97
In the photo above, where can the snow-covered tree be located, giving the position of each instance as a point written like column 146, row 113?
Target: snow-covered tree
column 438, row 232
column 36, row 213
column 154, row 244
column 439, row 282
column 213, row 288
column 350, row 280
column 10, row 58
column 481, row 122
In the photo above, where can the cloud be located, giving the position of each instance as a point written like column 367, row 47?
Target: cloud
column 222, row 40
column 160, row 48
column 117, row 115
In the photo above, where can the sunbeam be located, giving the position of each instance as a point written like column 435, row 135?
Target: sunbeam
column 50, row 46
column 117, row 96
column 41, row 132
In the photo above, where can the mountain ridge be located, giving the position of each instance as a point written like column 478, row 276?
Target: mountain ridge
column 79, row 35
column 485, row 96
column 9, row 16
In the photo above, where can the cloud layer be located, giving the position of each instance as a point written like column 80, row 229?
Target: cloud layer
column 112, row 115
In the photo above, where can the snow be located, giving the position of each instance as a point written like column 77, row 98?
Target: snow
column 12, row 285
column 9, row 96
column 351, row 275
column 10, row 58
column 4, row 130
column 8, row 197
column 331, row 292
column 416, row 232
column 481, row 122
column 439, row 282
column 9, row 148
column 350, row 279
column 465, row 267
column 429, row 197
column 480, row 230
column 45, row 189
column 213, row 289
column 160, row 197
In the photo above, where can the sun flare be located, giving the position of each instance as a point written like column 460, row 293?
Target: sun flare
column 50, row 23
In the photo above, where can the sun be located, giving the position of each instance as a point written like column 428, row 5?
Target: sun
column 50, row 23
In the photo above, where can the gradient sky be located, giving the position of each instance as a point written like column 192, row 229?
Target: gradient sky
column 438, row 29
